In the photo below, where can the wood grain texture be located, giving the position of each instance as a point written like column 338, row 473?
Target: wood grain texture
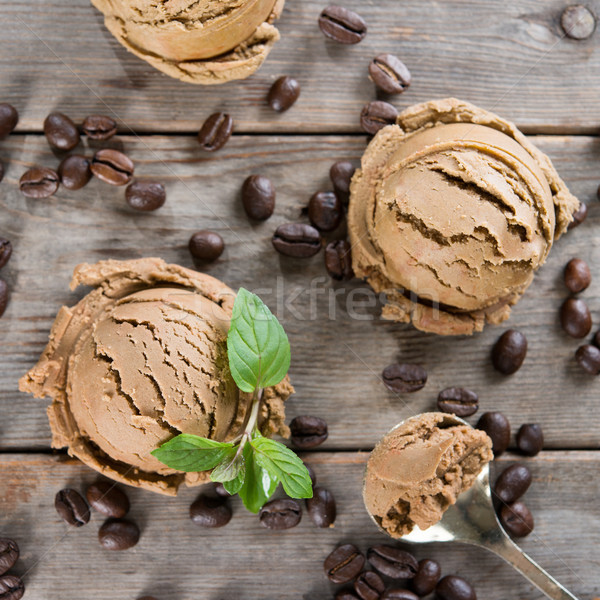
column 510, row 57
column 339, row 344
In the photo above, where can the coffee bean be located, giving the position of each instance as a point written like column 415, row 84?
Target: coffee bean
column 453, row 587
column 509, row 352
column 221, row 491
column 210, row 511
column 215, row 132
column 308, row 431
column 389, row 74
column 118, row 534
column 3, row 296
column 72, row 507
column 588, row 357
column 5, row 251
column 376, row 115
column 458, row 401
column 297, row 240
column 578, row 22
column 427, row 577
column 512, row 483
column 577, row 275
column 341, row 174
column 344, row 563
column 369, row 586
column 325, row 211
column 112, row 166
column 61, row 132
column 575, row 317
column 404, row 378
column 342, row 25
column 579, row 215
column 9, row 554
column 399, row 594
column 11, row 587
column 283, row 513
column 596, row 340
column 517, row 519
column 338, row 260
column 206, row 245
column 497, row 426
column 283, row 93
column 321, row 507
column 145, row 195
column 39, row 182
column 346, row 595
column 107, row 499
column 99, row 127
column 9, row 117
column 74, row 171
column 258, row 197
column 530, row 439
column 393, row 562
column 311, row 474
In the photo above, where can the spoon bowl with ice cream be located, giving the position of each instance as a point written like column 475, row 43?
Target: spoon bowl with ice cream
column 427, row 480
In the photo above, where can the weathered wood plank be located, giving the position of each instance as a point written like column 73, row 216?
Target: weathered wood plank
column 175, row 560
column 508, row 56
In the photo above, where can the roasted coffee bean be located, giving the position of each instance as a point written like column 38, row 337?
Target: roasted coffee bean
column 512, row 483
column 509, row 352
column 517, row 519
column 9, row 117
column 39, row 182
column 61, row 132
column 404, row 378
column 112, row 166
column 588, row 357
column 145, row 195
column 325, row 211
column 427, row 577
column 338, row 260
column 9, row 553
column 578, row 22
column 346, row 595
column 577, row 275
column 108, row 499
column 3, row 296
column 311, row 474
column 284, row 513
column 341, row 174
column 393, row 562
column 399, row 594
column 118, row 534
column 497, row 426
column 297, row 240
column 389, row 74
column 575, row 317
column 11, row 587
column 308, row 431
column 453, row 587
column 458, row 401
column 376, row 115
column 74, row 171
column 579, row 215
column 215, row 132
column 342, row 25
column 321, row 507
column 221, row 491
column 72, row 507
column 369, row 586
column 258, row 197
column 530, row 439
column 5, row 251
column 344, row 563
column 206, row 245
column 210, row 511
column 596, row 340
column 283, row 93
column 99, row 127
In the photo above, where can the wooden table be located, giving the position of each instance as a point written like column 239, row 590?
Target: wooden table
column 510, row 57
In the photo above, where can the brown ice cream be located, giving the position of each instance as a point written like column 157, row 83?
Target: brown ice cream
column 206, row 41
column 451, row 213
column 140, row 359
column 418, row 470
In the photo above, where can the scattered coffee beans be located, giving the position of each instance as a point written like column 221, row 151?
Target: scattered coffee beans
column 210, row 511
column 578, row 22
column 9, row 117
column 459, row 401
column 71, row 507
column 369, row 586
column 39, row 182
column 283, row 93
column 321, row 507
column 344, row 563
column 107, row 499
column 579, row 216
column 404, row 378
column 427, row 577
column 61, row 132
column 509, row 352
column 5, row 251
column 376, row 115
column 112, row 166
column 575, row 318
column 512, row 483
column 297, row 240
column 399, row 594
column 145, row 195
column 497, row 426
column 393, row 562
column 74, row 171
column 258, row 197
column 9, row 554
column 588, row 357
column 325, row 211
column 389, row 74
column 99, row 127
column 221, row 491
column 11, row 587
column 118, row 534
column 341, row 174
column 206, row 245
column 338, row 260
column 517, row 519
column 577, row 275
column 3, row 296
column 342, row 25
column 530, row 439
column 283, row 513
column 453, row 587
column 308, row 431
column 215, row 132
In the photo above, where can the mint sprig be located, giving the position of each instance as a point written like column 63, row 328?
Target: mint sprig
column 251, row 466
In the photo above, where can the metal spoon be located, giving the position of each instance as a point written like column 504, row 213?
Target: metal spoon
column 472, row 520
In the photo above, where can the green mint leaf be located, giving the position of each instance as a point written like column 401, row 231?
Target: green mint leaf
column 235, row 485
column 257, row 346
column 192, row 453
column 282, row 463
column 230, row 469
column 259, row 484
